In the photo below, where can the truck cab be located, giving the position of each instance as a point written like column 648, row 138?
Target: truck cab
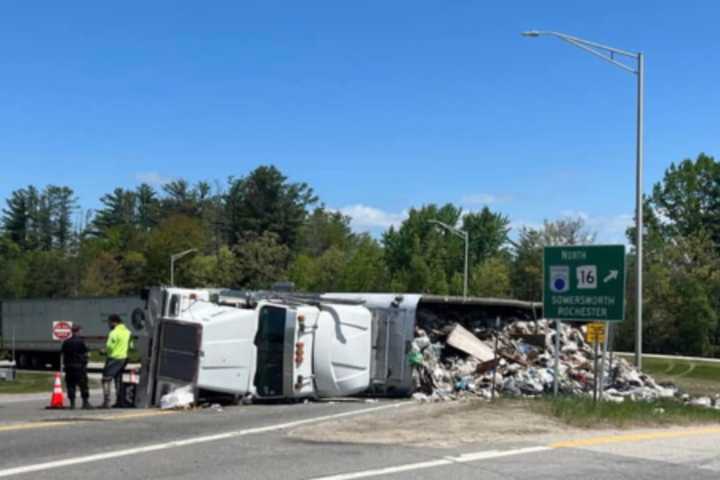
column 312, row 350
column 272, row 348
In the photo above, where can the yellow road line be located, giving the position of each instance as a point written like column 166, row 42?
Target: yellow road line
column 121, row 416
column 32, row 425
column 634, row 437
column 81, row 420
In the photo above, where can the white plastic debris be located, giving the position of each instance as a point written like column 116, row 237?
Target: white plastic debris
column 181, row 397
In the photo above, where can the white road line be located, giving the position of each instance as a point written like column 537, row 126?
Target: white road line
column 189, row 441
column 466, row 458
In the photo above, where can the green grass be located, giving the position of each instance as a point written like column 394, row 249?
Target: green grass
column 28, row 383
column 34, row 382
column 583, row 413
column 693, row 376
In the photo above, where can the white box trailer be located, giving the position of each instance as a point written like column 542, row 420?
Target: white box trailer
column 27, row 325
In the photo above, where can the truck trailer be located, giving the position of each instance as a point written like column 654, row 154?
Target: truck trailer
column 26, row 326
column 280, row 345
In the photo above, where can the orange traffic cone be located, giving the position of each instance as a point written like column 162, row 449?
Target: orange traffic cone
column 58, row 398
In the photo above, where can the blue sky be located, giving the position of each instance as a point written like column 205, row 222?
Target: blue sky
column 379, row 105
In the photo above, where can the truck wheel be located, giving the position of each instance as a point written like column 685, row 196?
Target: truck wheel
column 22, row 361
column 35, row 363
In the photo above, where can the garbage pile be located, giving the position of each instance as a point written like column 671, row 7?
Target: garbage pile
column 453, row 362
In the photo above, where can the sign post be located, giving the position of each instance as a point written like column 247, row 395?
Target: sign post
column 583, row 284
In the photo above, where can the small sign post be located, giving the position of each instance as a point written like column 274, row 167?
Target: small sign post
column 584, row 284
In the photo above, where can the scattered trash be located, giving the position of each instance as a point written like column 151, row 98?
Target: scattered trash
column 457, row 363
column 179, row 398
column 701, row 402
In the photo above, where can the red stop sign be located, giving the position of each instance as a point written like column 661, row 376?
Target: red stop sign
column 61, row 330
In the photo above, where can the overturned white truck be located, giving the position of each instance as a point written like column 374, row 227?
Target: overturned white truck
column 273, row 345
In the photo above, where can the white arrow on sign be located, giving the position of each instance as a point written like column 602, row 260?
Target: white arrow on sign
column 613, row 275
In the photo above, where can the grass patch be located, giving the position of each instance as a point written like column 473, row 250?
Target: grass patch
column 583, row 413
column 28, row 383
column 32, row 382
column 693, row 376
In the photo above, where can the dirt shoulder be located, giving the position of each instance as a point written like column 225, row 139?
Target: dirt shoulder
column 440, row 425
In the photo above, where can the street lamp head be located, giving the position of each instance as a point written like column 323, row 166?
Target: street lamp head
column 531, row 33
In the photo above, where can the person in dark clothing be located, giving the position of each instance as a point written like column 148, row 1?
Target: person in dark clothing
column 75, row 359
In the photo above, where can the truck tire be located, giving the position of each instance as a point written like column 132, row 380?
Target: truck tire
column 35, row 363
column 23, row 361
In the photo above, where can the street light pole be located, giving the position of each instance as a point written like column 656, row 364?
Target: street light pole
column 639, row 207
column 177, row 256
column 466, row 237
column 610, row 54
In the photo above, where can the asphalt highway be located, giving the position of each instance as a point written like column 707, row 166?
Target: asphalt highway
column 252, row 442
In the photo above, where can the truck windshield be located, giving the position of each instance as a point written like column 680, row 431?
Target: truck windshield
column 270, row 340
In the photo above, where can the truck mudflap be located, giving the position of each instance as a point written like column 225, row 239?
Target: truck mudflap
column 177, row 358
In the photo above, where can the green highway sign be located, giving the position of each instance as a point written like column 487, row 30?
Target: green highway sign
column 584, row 284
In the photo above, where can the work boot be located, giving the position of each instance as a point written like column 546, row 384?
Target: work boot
column 86, row 405
column 72, row 404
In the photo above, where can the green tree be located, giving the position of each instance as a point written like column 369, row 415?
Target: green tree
column 259, row 261
column 491, row 278
column 103, row 277
column 265, row 201
column 323, row 230
column 175, row 234
column 688, row 197
column 365, row 270
column 488, row 233
column 118, row 210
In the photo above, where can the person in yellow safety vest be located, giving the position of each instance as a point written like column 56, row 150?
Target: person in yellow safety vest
column 117, row 346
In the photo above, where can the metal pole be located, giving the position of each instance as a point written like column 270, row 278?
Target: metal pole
column 602, row 360
column 467, row 246
column 495, row 359
column 172, row 271
column 595, row 379
column 556, row 381
column 639, row 209
column 611, row 343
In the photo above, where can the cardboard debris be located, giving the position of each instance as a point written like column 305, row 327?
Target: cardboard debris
column 465, row 341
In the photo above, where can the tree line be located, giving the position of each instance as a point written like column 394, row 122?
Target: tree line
column 257, row 229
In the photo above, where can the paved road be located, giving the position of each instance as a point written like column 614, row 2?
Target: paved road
column 251, row 442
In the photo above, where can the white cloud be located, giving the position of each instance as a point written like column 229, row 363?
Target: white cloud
column 367, row 218
column 609, row 229
column 153, row 178
column 485, row 199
